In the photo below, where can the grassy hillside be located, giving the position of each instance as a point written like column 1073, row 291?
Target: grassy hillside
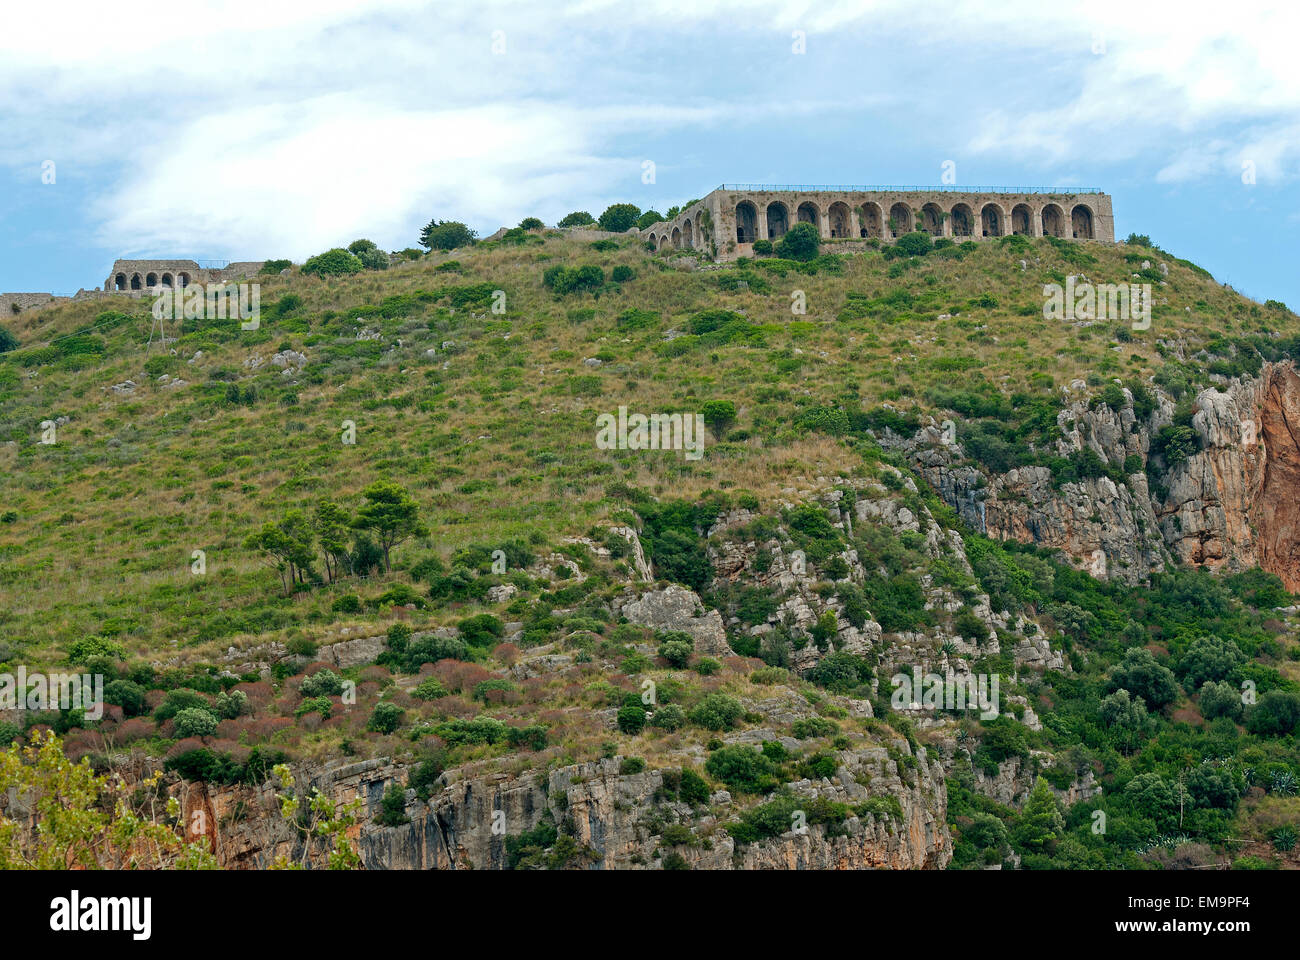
column 494, row 432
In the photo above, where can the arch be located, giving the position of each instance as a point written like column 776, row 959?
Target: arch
column 688, row 234
column 135, row 281
column 991, row 220
column 120, row 281
column 1053, row 221
column 840, row 220
column 963, row 220
column 932, row 220
column 746, row 222
column 167, row 280
column 1022, row 219
column 651, row 241
column 1081, row 222
column 808, row 213
column 778, row 220
column 151, row 280
column 677, row 238
column 871, row 220
column 182, row 279
column 900, row 219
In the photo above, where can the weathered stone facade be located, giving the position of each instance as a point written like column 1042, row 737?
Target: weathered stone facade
column 725, row 224
column 142, row 277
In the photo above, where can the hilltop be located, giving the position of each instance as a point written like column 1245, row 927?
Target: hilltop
column 1047, row 536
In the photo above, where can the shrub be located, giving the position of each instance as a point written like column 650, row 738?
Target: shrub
column 717, row 711
column 811, row 727
column 677, row 649
column 915, row 244
column 763, row 247
column 1276, row 715
column 718, row 415
column 319, row 705
column 1140, row 675
column 743, row 769
column 622, row 273
column 564, row 280
column 386, row 718
column 1220, row 699
column 127, row 695
column 429, row 689
column 79, row 651
column 531, row 223
column 332, row 263
column 196, row 722
column 392, row 808
column 231, row 705
column 348, row 603
column 629, row 765
column 178, row 700
column 322, row 683
column 631, row 719
column 668, row 717
column 694, row 789
column 801, row 242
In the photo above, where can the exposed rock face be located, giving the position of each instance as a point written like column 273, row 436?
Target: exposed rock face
column 1234, row 503
column 614, row 818
column 679, row 608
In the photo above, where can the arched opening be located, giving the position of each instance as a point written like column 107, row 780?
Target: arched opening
column 688, row 234
column 991, row 220
column 182, row 279
column 746, row 222
column 932, row 219
column 808, row 213
column 1021, row 218
column 135, row 281
column 677, row 238
column 151, row 280
column 1053, row 221
column 900, row 219
column 870, row 220
column 1081, row 222
column 778, row 220
column 651, row 240
column 963, row 220
column 120, row 281
column 838, row 214
column 167, row 280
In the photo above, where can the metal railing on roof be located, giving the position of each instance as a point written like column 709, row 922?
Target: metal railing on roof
column 891, row 188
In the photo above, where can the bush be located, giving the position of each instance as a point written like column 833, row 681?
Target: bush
column 622, row 273
column 1140, row 675
column 668, row 717
column 392, row 808
column 763, row 247
column 386, row 718
column 196, row 722
column 915, row 244
column 801, row 242
column 348, row 603
column 322, row 683
column 631, row 719
column 429, row 689
column 127, row 695
column 1219, row 699
column 7, row 341
column 718, row 416
column 1276, row 715
column 629, row 765
column 743, row 769
column 178, row 700
column 619, row 217
column 79, row 651
column 677, row 648
column 231, row 705
column 813, row 727
column 332, row 263
column 717, row 711
column 565, row 280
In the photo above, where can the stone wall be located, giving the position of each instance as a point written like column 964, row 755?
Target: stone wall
column 725, row 224
column 138, row 278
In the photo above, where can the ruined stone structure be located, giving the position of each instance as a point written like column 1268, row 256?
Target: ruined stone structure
column 142, row 277
column 725, row 224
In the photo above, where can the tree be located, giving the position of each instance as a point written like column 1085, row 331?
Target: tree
column 1209, row 658
column 649, row 218
column 579, row 218
column 1140, row 675
column 83, row 820
column 332, row 263
column 531, row 223
column 718, row 415
column 446, row 235
column 619, row 217
column 392, row 515
column 196, row 722
column 1220, row 699
column 1276, row 715
column 801, row 242
column 7, row 341
column 332, row 525
column 287, row 545
column 1040, row 824
column 915, row 244
column 386, row 718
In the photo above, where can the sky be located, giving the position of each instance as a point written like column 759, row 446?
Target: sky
column 244, row 130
